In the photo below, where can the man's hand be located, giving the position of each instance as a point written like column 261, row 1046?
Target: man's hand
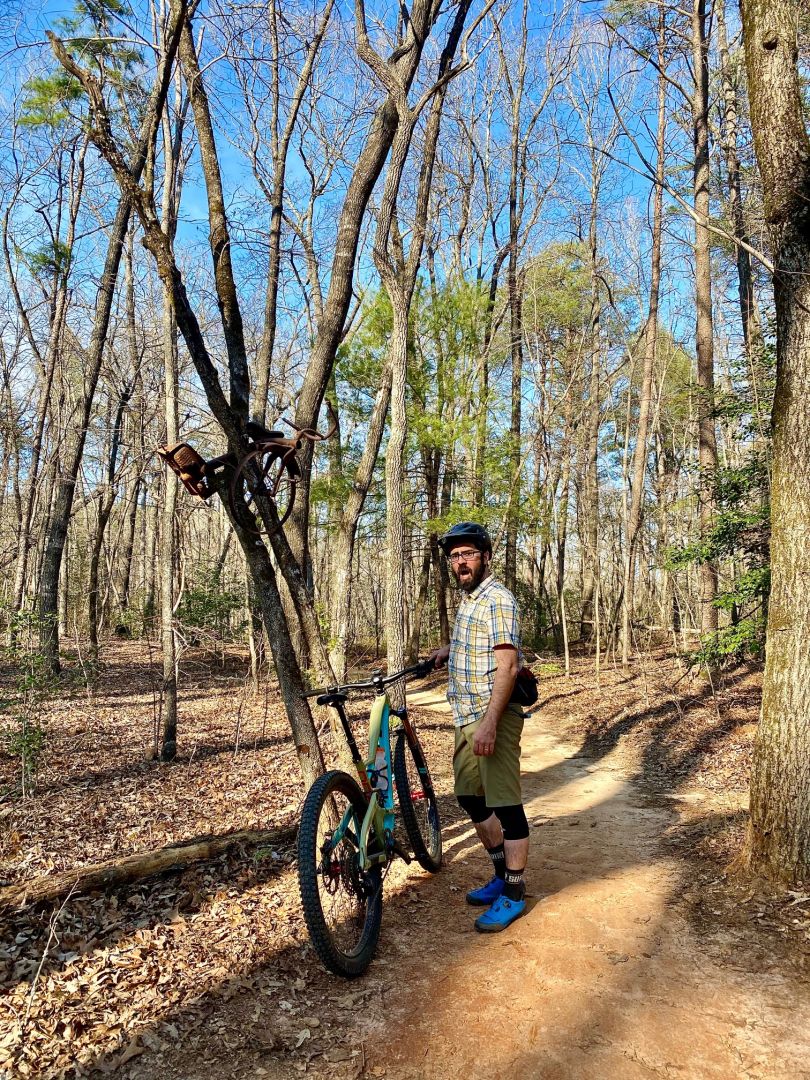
column 484, row 738
column 440, row 656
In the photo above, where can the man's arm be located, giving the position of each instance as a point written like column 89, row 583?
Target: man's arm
column 506, row 669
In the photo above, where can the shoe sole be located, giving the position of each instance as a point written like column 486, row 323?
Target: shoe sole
column 494, row 929
column 481, row 903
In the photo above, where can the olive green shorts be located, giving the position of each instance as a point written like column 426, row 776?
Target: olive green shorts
column 496, row 777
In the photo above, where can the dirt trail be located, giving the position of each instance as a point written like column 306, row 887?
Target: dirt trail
column 611, row 974
column 603, row 977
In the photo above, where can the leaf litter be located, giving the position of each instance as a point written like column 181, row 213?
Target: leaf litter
column 212, row 964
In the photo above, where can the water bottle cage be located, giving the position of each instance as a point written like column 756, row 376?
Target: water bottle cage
column 377, row 775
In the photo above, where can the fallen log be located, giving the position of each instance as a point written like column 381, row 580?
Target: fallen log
column 117, row 872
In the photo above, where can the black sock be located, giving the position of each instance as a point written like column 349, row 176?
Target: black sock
column 515, row 888
column 498, row 857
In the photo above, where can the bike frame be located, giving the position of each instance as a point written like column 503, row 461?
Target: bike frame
column 378, row 821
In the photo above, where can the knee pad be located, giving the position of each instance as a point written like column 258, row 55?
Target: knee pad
column 475, row 806
column 513, row 821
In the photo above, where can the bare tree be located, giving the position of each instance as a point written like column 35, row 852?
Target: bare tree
column 398, row 275
column 704, row 324
column 649, row 340
column 779, row 832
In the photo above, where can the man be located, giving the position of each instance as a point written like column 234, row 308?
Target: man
column 483, row 659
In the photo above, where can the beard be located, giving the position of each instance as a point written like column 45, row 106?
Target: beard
column 473, row 576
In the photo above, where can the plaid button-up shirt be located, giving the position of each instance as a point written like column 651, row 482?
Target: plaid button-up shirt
column 488, row 616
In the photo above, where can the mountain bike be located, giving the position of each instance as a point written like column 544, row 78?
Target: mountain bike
column 346, row 839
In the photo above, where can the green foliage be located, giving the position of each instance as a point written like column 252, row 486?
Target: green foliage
column 209, row 605
column 735, row 532
column 444, row 371
column 92, row 36
column 47, row 99
column 557, row 294
column 548, row 669
column 741, row 535
column 361, row 357
column 749, row 587
column 26, row 738
column 51, row 260
column 731, row 644
column 27, row 743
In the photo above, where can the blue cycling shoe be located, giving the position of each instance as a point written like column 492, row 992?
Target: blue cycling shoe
column 502, row 914
column 486, row 894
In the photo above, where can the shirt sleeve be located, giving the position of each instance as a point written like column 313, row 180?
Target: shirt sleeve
column 505, row 622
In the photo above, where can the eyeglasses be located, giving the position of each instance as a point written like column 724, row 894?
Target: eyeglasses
column 463, row 556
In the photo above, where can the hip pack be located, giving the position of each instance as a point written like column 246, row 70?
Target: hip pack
column 525, row 691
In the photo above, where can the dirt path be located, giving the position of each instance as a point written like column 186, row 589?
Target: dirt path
column 609, row 975
column 603, row 977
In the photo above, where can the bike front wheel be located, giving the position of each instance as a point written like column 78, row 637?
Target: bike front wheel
column 417, row 801
column 342, row 903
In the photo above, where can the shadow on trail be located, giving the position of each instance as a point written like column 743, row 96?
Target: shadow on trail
column 427, row 933
column 253, row 1015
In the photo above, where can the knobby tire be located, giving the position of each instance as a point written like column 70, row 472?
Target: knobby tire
column 417, row 801
column 342, row 911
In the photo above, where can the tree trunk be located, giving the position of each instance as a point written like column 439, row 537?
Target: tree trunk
column 58, row 306
column 99, row 877
column 778, row 841
column 364, row 178
column 281, row 143
column 168, row 748
column 105, row 507
column 590, row 480
column 515, row 287
column 130, row 523
column 149, row 513
column 172, row 184
column 344, row 540
column 749, row 312
column 419, row 606
column 74, row 448
column 650, row 338
column 704, row 325
column 394, row 486
column 441, row 575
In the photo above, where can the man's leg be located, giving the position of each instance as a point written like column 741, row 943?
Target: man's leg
column 515, row 828
column 501, row 778
column 489, row 831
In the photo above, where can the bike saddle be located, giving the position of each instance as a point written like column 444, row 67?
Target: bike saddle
column 259, row 433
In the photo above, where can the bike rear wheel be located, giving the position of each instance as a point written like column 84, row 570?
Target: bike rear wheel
column 417, row 801
column 342, row 903
column 266, row 475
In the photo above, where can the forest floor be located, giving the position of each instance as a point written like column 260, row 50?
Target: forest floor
column 639, row 955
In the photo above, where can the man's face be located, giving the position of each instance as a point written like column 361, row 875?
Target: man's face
column 469, row 566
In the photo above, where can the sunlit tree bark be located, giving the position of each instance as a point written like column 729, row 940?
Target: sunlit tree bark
column 779, row 831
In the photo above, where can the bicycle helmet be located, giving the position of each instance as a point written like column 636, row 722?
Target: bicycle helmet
column 469, row 531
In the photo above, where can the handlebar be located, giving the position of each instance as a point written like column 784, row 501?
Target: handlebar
column 378, row 680
column 310, row 433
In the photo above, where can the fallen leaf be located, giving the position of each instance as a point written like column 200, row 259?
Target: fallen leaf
column 337, row 1053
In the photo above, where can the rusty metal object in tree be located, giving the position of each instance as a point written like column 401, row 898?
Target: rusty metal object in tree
column 269, row 470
